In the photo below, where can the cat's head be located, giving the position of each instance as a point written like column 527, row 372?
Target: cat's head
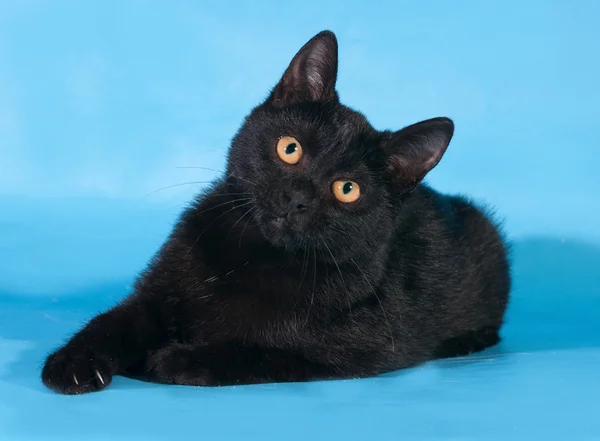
column 320, row 175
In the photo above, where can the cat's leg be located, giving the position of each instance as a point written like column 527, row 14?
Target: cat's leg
column 109, row 343
column 468, row 343
column 231, row 363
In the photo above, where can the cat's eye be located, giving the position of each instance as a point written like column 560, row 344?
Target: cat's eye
column 346, row 191
column 289, row 149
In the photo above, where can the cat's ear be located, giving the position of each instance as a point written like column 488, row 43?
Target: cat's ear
column 312, row 74
column 416, row 149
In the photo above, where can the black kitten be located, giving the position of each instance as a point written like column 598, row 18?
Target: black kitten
column 318, row 255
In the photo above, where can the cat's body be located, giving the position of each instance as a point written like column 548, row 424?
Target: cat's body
column 276, row 274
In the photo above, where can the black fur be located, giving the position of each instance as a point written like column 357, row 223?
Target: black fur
column 268, row 277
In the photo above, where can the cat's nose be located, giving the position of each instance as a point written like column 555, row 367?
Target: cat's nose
column 298, row 201
column 299, row 197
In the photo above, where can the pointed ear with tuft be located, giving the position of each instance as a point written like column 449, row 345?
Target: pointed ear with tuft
column 415, row 150
column 312, row 74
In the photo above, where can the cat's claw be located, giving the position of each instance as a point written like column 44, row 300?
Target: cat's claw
column 75, row 379
column 99, row 376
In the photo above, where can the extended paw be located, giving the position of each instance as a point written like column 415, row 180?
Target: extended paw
column 72, row 371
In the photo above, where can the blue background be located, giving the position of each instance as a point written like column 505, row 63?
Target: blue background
column 101, row 102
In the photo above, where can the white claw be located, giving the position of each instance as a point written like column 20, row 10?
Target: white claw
column 75, row 379
column 99, row 377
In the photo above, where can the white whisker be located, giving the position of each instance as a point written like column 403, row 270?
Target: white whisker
column 380, row 304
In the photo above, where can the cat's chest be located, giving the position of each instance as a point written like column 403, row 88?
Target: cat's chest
column 267, row 302
column 263, row 284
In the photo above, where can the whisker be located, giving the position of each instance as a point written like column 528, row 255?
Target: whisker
column 207, row 196
column 227, row 194
column 341, row 276
column 178, row 185
column 322, row 256
column 341, row 231
column 213, row 221
column 243, row 179
column 223, row 203
column 174, row 206
column 220, row 171
column 240, row 218
column 378, row 300
column 202, row 168
column 304, row 268
column 290, row 259
column 244, row 229
column 312, row 297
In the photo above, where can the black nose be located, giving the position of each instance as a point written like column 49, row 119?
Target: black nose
column 298, row 197
column 297, row 201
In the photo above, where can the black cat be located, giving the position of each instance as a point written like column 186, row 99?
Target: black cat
column 320, row 254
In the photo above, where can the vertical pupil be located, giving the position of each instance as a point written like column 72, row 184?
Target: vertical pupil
column 291, row 148
column 347, row 188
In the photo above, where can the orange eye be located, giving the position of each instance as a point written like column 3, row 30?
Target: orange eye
column 346, row 191
column 289, row 149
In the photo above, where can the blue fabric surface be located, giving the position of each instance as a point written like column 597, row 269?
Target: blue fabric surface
column 101, row 102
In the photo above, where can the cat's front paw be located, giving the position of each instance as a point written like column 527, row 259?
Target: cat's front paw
column 72, row 370
column 180, row 364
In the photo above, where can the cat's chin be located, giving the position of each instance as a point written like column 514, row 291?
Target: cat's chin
column 275, row 230
column 278, row 231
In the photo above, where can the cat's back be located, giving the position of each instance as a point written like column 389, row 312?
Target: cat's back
column 439, row 220
column 450, row 258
